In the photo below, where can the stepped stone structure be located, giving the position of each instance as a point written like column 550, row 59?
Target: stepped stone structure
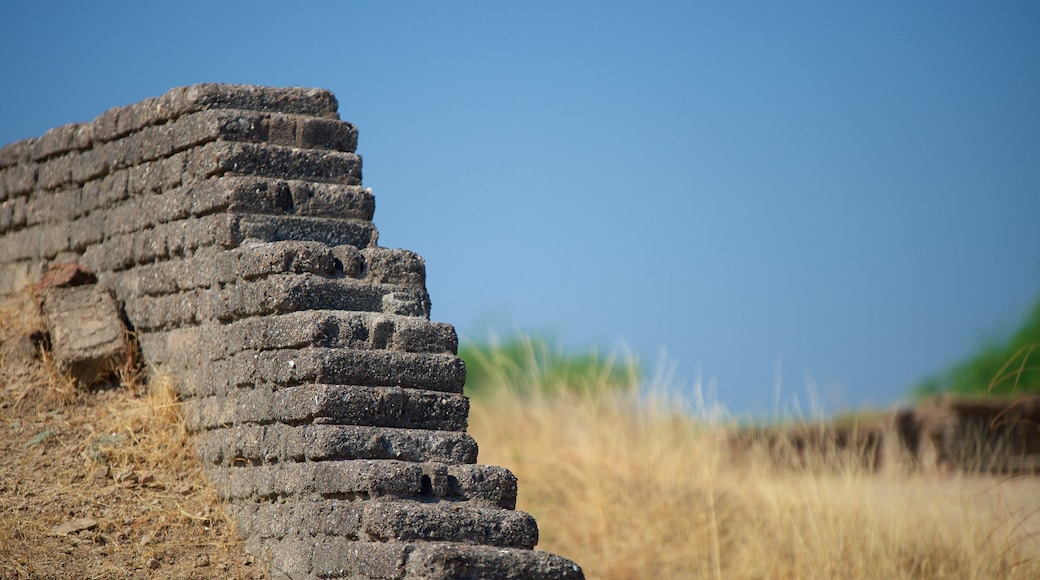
column 230, row 225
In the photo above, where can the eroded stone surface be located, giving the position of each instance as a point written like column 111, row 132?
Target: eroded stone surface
column 230, row 225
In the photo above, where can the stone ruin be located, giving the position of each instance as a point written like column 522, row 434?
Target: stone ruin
column 982, row 434
column 227, row 226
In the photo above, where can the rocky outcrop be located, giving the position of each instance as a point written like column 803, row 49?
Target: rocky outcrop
column 230, row 224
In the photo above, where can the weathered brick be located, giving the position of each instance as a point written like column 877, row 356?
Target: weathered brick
column 440, row 560
column 312, row 516
column 390, row 266
column 318, row 133
column 332, row 231
column 278, row 293
column 285, row 368
column 16, row 153
column 88, row 165
column 280, row 443
column 324, row 328
column 55, row 172
column 331, row 200
column 215, row 266
column 57, row 141
column 318, row 102
column 223, row 157
column 362, row 478
column 85, row 232
column 444, row 521
column 87, row 333
column 17, row 181
column 42, row 242
column 13, row 214
column 334, row 557
column 330, row 404
column 283, row 130
column 15, row 276
column 122, row 251
column 53, row 206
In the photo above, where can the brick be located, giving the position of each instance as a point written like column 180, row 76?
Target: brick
column 17, row 181
column 309, row 517
column 16, row 153
column 322, row 328
column 317, row 133
column 55, row 206
column 57, row 141
column 317, row 102
column 287, row 559
column 282, row 130
column 291, row 367
column 216, row 266
column 88, row 165
column 409, row 521
column 367, row 479
column 275, row 294
column 85, row 232
column 343, row 558
column 280, row 443
column 332, row 231
column 331, row 200
column 41, row 242
column 361, row 479
column 87, row 334
column 484, row 485
column 15, row 276
column 442, row 561
column 225, row 157
column 389, row 266
column 122, row 251
column 331, row 404
column 55, row 172
column 13, row 214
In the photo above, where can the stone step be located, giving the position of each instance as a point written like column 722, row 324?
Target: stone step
column 107, row 252
column 220, row 158
column 480, row 485
column 278, row 443
column 343, row 558
column 276, row 294
column 330, row 404
column 386, row 521
column 215, row 266
column 317, row 328
column 329, row 366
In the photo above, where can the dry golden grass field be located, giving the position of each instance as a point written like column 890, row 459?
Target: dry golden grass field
column 631, row 490
column 104, row 484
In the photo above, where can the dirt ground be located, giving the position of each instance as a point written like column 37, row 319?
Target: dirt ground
column 101, row 482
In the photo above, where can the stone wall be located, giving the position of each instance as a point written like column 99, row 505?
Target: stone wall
column 230, row 225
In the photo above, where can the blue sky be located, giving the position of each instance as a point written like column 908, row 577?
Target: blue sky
column 849, row 193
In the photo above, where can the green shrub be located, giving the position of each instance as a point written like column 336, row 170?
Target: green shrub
column 1011, row 366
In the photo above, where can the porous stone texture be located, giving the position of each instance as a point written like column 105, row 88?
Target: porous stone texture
column 229, row 226
column 88, row 338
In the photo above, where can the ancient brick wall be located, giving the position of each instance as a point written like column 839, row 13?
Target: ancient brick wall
column 230, row 224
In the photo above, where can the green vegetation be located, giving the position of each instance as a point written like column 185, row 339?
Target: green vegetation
column 1011, row 366
column 530, row 365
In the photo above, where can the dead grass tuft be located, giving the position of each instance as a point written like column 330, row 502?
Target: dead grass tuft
column 101, row 483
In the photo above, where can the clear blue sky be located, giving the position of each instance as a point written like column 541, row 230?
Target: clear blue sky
column 853, row 190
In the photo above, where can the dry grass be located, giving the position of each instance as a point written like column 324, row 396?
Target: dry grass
column 630, row 489
column 114, row 464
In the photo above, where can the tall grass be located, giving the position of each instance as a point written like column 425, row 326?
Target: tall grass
column 631, row 486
